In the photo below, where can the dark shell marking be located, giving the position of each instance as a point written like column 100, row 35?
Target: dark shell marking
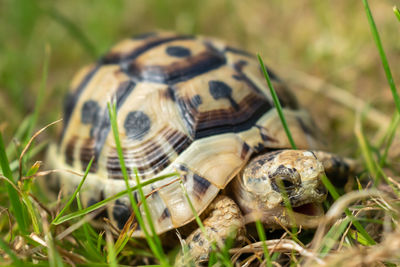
column 72, row 98
column 219, row 89
column 121, row 213
column 178, row 51
column 165, row 214
column 90, row 112
column 137, row 124
column 177, row 72
column 103, row 213
column 200, row 186
column 86, row 153
column 69, row 150
column 101, row 127
column 116, row 58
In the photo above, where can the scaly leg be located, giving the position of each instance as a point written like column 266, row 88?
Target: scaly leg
column 224, row 219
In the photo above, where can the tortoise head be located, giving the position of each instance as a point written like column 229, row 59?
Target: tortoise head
column 271, row 180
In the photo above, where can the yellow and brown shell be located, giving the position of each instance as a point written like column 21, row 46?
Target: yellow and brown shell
column 189, row 104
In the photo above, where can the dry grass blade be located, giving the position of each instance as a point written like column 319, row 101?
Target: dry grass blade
column 11, row 183
column 44, row 173
column 30, row 142
column 276, row 245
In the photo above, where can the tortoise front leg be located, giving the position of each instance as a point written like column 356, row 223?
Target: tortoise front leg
column 224, row 219
column 337, row 168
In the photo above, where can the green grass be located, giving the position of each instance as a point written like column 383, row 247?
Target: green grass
column 17, row 209
column 382, row 55
column 277, row 103
column 263, row 238
column 106, row 201
column 396, row 12
column 331, row 41
column 73, row 197
column 152, row 238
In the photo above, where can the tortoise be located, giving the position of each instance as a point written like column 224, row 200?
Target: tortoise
column 202, row 108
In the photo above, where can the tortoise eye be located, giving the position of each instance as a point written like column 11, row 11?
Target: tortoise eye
column 287, row 183
column 284, row 183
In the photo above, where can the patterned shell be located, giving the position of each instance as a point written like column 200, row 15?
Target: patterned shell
column 187, row 104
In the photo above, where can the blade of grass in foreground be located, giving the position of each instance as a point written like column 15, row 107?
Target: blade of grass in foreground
column 104, row 202
column 277, row 103
column 112, row 257
column 382, row 54
column 18, row 209
column 388, row 138
column 396, row 12
column 261, row 235
column 88, row 242
column 288, row 134
column 72, row 198
column 365, row 150
column 153, row 240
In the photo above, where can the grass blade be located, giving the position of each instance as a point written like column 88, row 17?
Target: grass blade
column 72, row 198
column 263, row 238
column 390, row 135
column 153, row 240
column 277, row 103
column 111, row 256
column 104, row 202
column 396, row 12
column 382, row 54
column 365, row 149
column 89, row 244
column 18, row 209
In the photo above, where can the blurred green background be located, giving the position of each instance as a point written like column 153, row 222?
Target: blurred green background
column 330, row 40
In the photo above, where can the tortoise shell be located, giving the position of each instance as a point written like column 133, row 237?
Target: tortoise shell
column 189, row 104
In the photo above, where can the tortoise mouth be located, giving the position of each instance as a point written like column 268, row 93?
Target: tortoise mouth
column 307, row 215
column 309, row 209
